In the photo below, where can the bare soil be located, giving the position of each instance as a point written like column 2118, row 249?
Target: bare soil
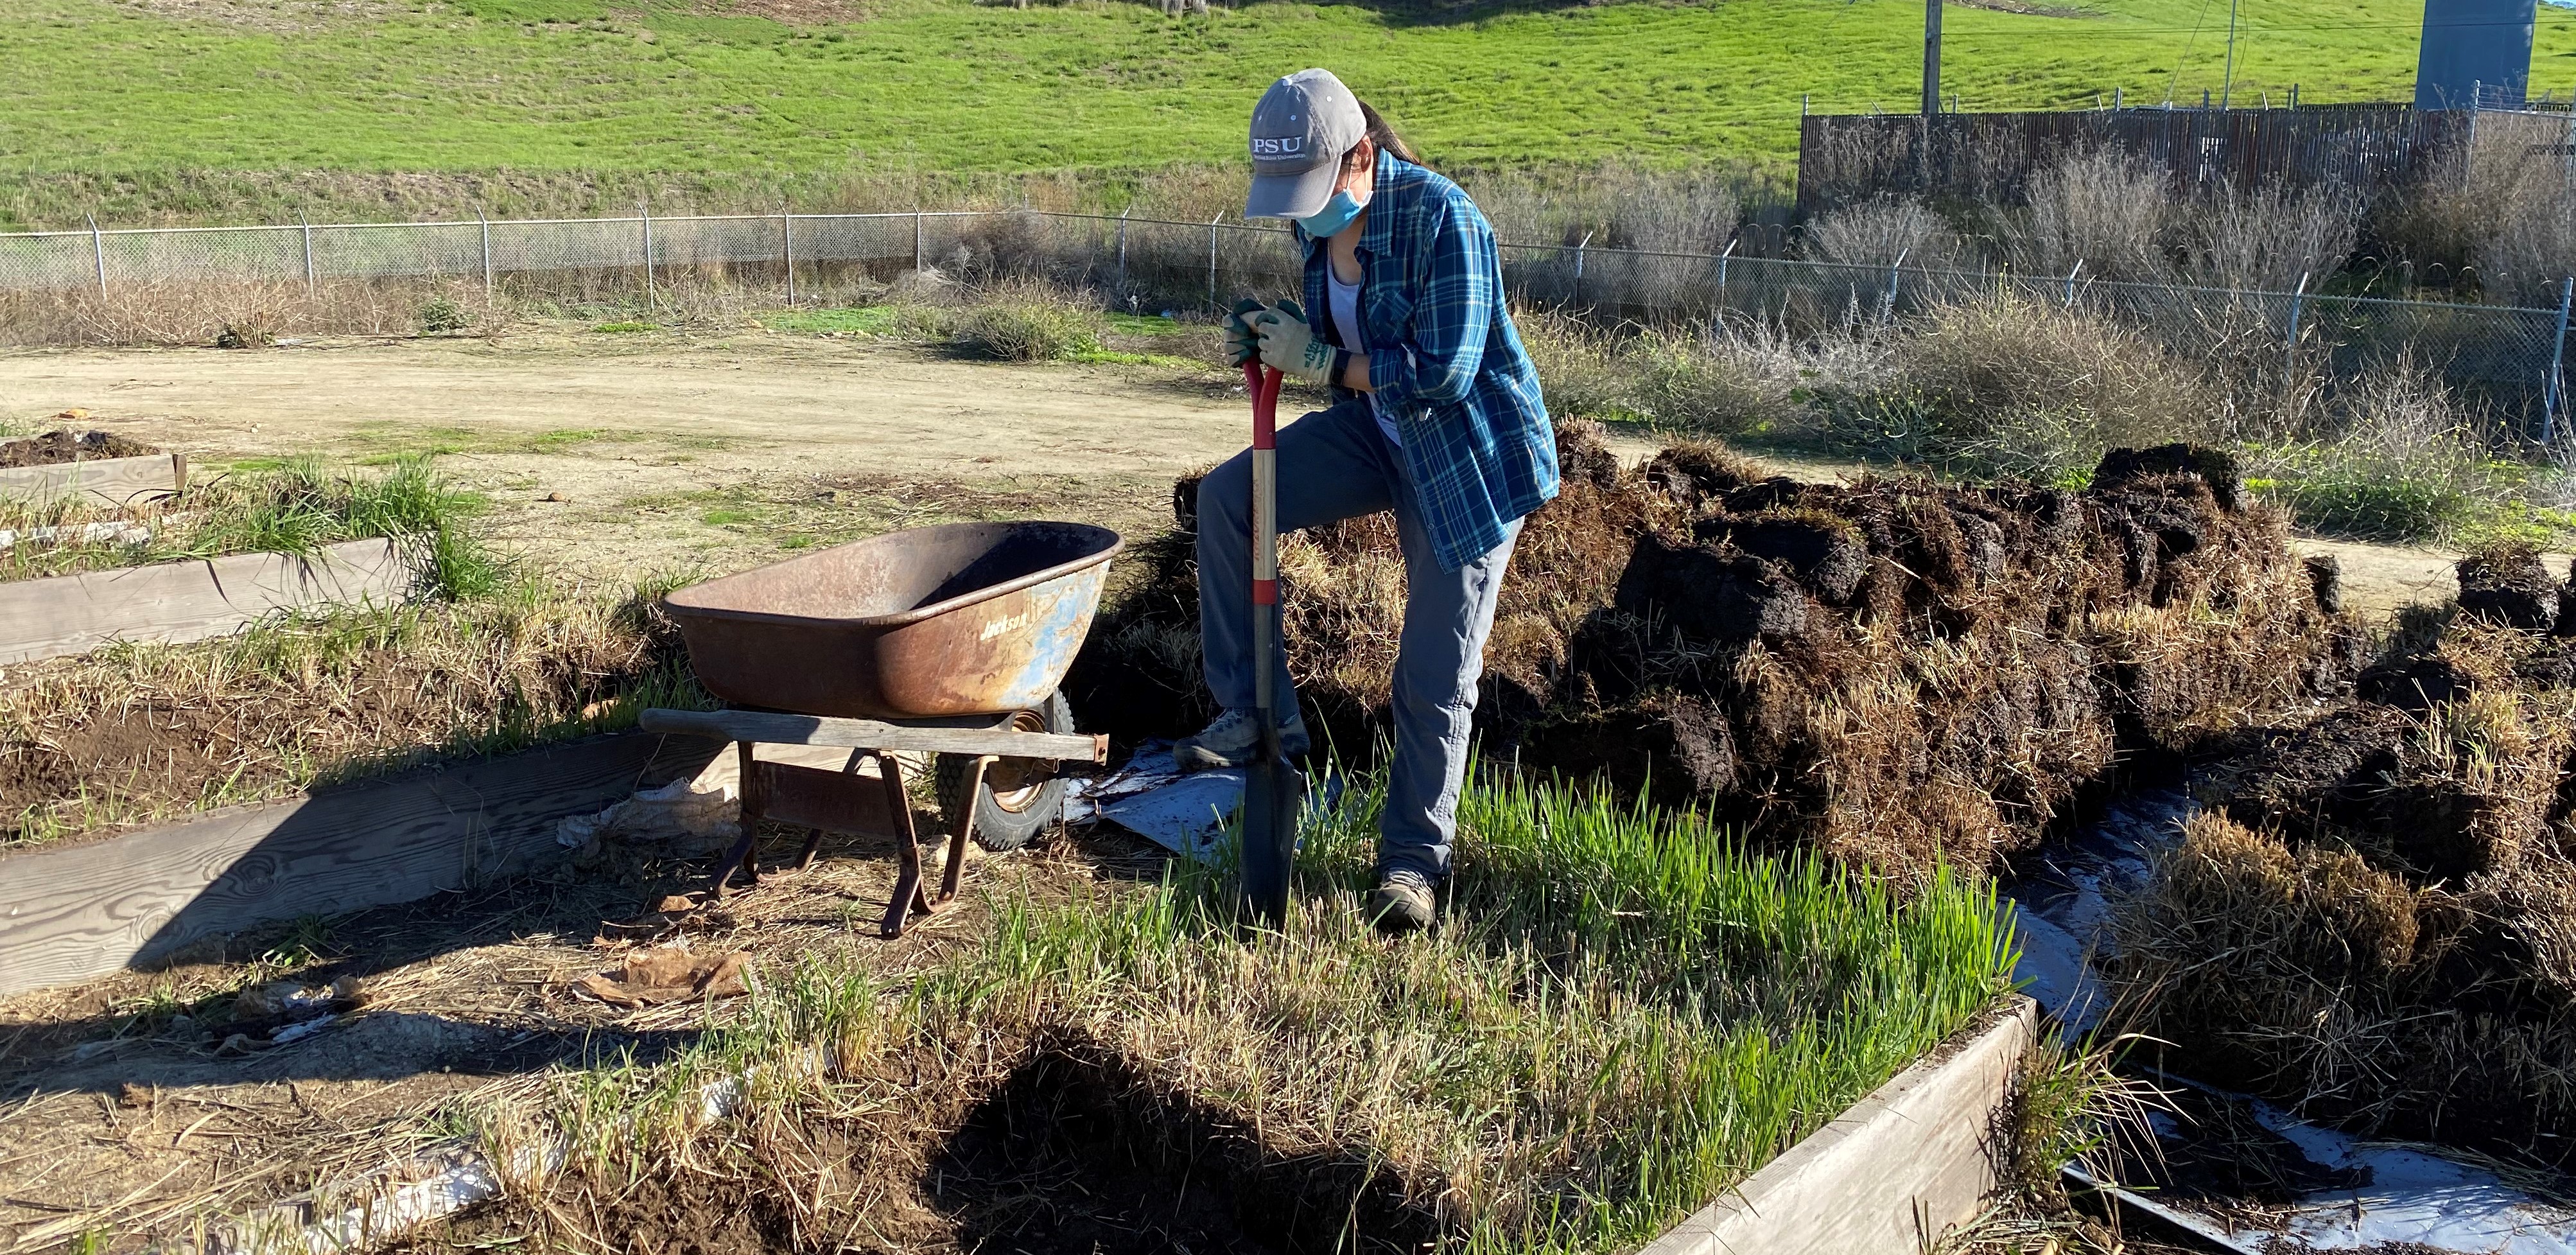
column 64, row 445
column 122, row 1110
column 1063, row 1149
column 605, row 457
column 623, row 455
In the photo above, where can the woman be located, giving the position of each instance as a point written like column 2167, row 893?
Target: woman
column 1436, row 416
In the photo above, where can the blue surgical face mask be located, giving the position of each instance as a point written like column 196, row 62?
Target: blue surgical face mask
column 1337, row 213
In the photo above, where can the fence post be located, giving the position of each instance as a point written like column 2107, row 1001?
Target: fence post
column 309, row 285
column 1722, row 259
column 2469, row 147
column 1895, row 269
column 98, row 252
column 2290, row 348
column 1122, row 249
column 2070, row 282
column 1579, row 246
column 916, row 241
column 787, row 249
column 651, row 299
column 2551, row 395
column 486, row 224
column 1220, row 217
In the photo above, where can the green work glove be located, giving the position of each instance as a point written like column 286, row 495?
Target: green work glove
column 1289, row 346
column 1242, row 343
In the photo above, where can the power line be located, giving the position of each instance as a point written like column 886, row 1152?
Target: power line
column 2174, row 79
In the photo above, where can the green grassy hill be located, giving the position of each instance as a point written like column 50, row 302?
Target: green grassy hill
column 146, row 87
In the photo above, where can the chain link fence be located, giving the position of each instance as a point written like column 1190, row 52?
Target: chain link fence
column 2510, row 357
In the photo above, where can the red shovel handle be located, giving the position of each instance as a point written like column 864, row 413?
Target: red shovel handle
column 1263, row 384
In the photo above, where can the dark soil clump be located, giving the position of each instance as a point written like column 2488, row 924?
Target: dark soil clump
column 2510, row 586
column 1055, row 1150
column 2377, row 919
column 1899, row 672
column 1063, row 1158
column 65, row 445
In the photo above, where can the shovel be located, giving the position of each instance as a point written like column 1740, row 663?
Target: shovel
column 1273, row 790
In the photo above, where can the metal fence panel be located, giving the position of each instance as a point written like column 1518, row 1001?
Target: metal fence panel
column 199, row 255
column 715, row 241
column 852, row 238
column 2504, row 354
column 51, row 259
column 400, row 250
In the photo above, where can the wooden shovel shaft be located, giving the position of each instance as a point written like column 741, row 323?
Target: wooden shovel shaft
column 1263, row 385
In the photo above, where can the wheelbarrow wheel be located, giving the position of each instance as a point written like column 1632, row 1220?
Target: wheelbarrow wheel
column 1020, row 796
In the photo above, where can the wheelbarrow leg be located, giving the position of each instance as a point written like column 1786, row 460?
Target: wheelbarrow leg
column 961, row 827
column 745, row 852
column 814, row 836
column 908, row 895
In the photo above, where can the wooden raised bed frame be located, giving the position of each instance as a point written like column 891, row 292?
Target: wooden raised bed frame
column 190, row 600
column 114, row 482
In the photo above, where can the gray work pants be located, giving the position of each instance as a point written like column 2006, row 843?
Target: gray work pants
column 1335, row 464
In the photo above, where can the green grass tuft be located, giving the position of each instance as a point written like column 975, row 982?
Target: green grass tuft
column 1625, row 1014
column 874, row 320
column 290, row 505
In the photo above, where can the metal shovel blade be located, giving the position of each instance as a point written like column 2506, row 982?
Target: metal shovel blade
column 1274, row 792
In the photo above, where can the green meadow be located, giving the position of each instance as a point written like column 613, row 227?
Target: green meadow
column 118, row 92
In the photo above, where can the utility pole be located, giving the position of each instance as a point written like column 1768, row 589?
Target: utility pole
column 1931, row 86
column 2227, row 78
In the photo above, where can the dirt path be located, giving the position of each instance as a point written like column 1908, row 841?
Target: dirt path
column 621, row 454
column 617, row 455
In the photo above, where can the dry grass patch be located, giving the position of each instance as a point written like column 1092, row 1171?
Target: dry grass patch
column 137, row 732
column 1899, row 672
column 1625, row 1014
column 2373, row 920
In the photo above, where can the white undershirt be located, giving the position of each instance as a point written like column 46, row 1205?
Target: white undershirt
column 1346, row 325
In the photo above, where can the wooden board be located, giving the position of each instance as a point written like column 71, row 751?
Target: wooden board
column 834, row 801
column 115, row 482
column 778, row 729
column 188, row 601
column 1888, row 1176
column 87, row 910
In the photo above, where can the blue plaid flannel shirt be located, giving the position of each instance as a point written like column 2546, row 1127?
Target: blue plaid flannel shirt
column 1445, row 361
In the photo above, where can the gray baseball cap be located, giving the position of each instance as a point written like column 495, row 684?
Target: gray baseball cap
column 1302, row 128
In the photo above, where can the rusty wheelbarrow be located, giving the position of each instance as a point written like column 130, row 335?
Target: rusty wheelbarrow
column 948, row 639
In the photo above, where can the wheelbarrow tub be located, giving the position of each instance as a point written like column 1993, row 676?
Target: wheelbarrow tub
column 958, row 619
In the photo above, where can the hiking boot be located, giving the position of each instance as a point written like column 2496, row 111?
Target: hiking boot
column 1403, row 902
column 1234, row 738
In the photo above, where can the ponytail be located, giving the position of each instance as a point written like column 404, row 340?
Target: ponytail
column 1384, row 136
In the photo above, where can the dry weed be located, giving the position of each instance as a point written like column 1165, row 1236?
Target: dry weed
column 1878, row 233
column 1318, row 1083
column 136, row 732
column 1900, row 673
column 2105, row 209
